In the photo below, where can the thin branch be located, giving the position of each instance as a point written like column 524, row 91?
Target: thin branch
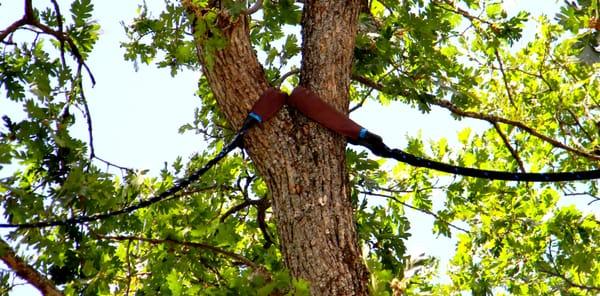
column 460, row 11
column 10, row 29
column 508, row 93
column 59, row 22
column 238, row 208
column 254, row 8
column 203, row 246
column 568, row 281
column 73, row 48
column 108, row 163
column 362, row 101
column 29, row 18
column 26, row 271
column 594, row 198
column 262, row 207
column 491, row 118
column 578, row 123
column 390, row 190
column 129, row 273
column 88, row 118
column 285, row 76
column 510, row 148
column 167, row 194
column 428, row 212
column 564, row 128
column 556, row 273
column 481, row 116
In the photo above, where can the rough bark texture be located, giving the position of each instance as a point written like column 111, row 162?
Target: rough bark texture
column 302, row 163
column 27, row 272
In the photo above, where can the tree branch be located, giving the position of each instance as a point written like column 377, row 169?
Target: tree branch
column 261, row 206
column 59, row 22
column 491, row 118
column 30, row 19
column 481, row 116
column 26, row 271
column 13, row 27
column 594, row 198
column 569, row 282
column 512, row 150
column 238, row 208
column 506, row 85
column 460, row 11
column 428, row 212
column 285, row 76
column 203, row 246
column 362, row 101
column 254, row 8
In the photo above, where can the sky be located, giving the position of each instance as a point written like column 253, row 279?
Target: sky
column 136, row 114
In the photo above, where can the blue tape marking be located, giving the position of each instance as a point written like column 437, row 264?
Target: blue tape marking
column 363, row 133
column 255, row 116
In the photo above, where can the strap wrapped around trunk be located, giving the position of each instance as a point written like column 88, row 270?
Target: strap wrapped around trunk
column 313, row 107
column 268, row 104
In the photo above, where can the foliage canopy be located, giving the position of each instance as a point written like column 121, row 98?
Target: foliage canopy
column 541, row 102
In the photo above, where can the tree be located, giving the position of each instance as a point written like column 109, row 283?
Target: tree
column 293, row 215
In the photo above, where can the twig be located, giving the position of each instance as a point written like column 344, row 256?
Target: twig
column 481, row 116
column 594, row 198
column 281, row 79
column 203, row 246
column 88, row 118
column 508, row 93
column 362, row 101
column 411, row 191
column 29, row 18
column 59, row 22
column 555, row 272
column 128, row 261
column 428, row 212
column 578, row 123
column 254, row 8
column 108, row 163
column 510, row 148
column 460, row 11
column 167, row 194
column 262, row 207
column 491, row 118
column 238, row 208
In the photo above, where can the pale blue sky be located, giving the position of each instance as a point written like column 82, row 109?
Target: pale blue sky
column 136, row 115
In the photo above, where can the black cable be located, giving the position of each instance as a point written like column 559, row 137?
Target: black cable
column 180, row 184
column 377, row 146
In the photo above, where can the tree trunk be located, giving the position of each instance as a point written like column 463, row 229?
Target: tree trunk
column 302, row 163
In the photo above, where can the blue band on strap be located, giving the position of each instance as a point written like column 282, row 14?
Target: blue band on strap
column 255, row 116
column 363, row 133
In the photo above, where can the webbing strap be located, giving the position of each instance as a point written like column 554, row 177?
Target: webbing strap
column 316, row 109
column 313, row 107
column 267, row 105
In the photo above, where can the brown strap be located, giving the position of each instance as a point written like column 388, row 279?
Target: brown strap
column 309, row 104
column 268, row 104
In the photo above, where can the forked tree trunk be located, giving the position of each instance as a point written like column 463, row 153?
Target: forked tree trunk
column 302, row 163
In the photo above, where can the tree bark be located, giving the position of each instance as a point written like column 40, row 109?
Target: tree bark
column 302, row 163
column 26, row 271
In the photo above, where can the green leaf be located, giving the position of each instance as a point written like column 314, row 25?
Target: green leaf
column 174, row 283
column 81, row 11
